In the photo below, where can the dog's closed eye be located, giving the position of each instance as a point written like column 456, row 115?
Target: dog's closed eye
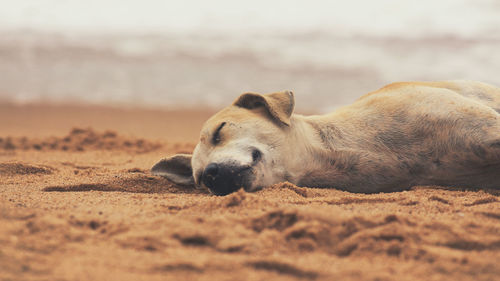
column 216, row 135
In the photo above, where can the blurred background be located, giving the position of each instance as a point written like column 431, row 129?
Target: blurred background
column 195, row 53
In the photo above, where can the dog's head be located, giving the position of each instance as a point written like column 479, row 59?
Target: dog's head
column 240, row 147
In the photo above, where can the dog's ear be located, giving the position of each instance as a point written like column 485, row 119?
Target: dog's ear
column 177, row 169
column 280, row 105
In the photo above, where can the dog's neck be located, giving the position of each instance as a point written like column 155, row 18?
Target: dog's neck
column 314, row 141
column 307, row 143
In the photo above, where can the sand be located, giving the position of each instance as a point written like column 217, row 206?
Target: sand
column 77, row 202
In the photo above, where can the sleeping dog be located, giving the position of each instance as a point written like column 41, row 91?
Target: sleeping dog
column 402, row 135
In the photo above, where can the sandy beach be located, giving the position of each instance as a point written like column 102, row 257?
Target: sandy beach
column 94, row 93
column 77, row 202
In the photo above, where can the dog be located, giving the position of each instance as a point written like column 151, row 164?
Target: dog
column 402, row 135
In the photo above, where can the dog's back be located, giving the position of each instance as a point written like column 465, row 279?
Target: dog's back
column 480, row 92
column 419, row 133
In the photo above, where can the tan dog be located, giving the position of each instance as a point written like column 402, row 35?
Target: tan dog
column 405, row 134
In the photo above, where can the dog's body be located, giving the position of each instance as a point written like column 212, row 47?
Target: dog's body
column 405, row 134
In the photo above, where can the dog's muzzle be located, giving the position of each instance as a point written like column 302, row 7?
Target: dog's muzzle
column 223, row 179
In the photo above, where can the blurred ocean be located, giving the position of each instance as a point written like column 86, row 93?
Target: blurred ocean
column 205, row 53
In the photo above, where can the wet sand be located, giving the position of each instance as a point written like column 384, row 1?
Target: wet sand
column 77, row 202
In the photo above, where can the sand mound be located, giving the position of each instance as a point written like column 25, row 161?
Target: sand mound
column 134, row 182
column 24, row 169
column 80, row 140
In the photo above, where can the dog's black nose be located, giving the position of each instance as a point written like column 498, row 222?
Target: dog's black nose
column 210, row 174
column 224, row 179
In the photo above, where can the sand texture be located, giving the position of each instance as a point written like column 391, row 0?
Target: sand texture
column 77, row 202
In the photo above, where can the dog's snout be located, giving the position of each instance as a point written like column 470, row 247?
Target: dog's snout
column 223, row 179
